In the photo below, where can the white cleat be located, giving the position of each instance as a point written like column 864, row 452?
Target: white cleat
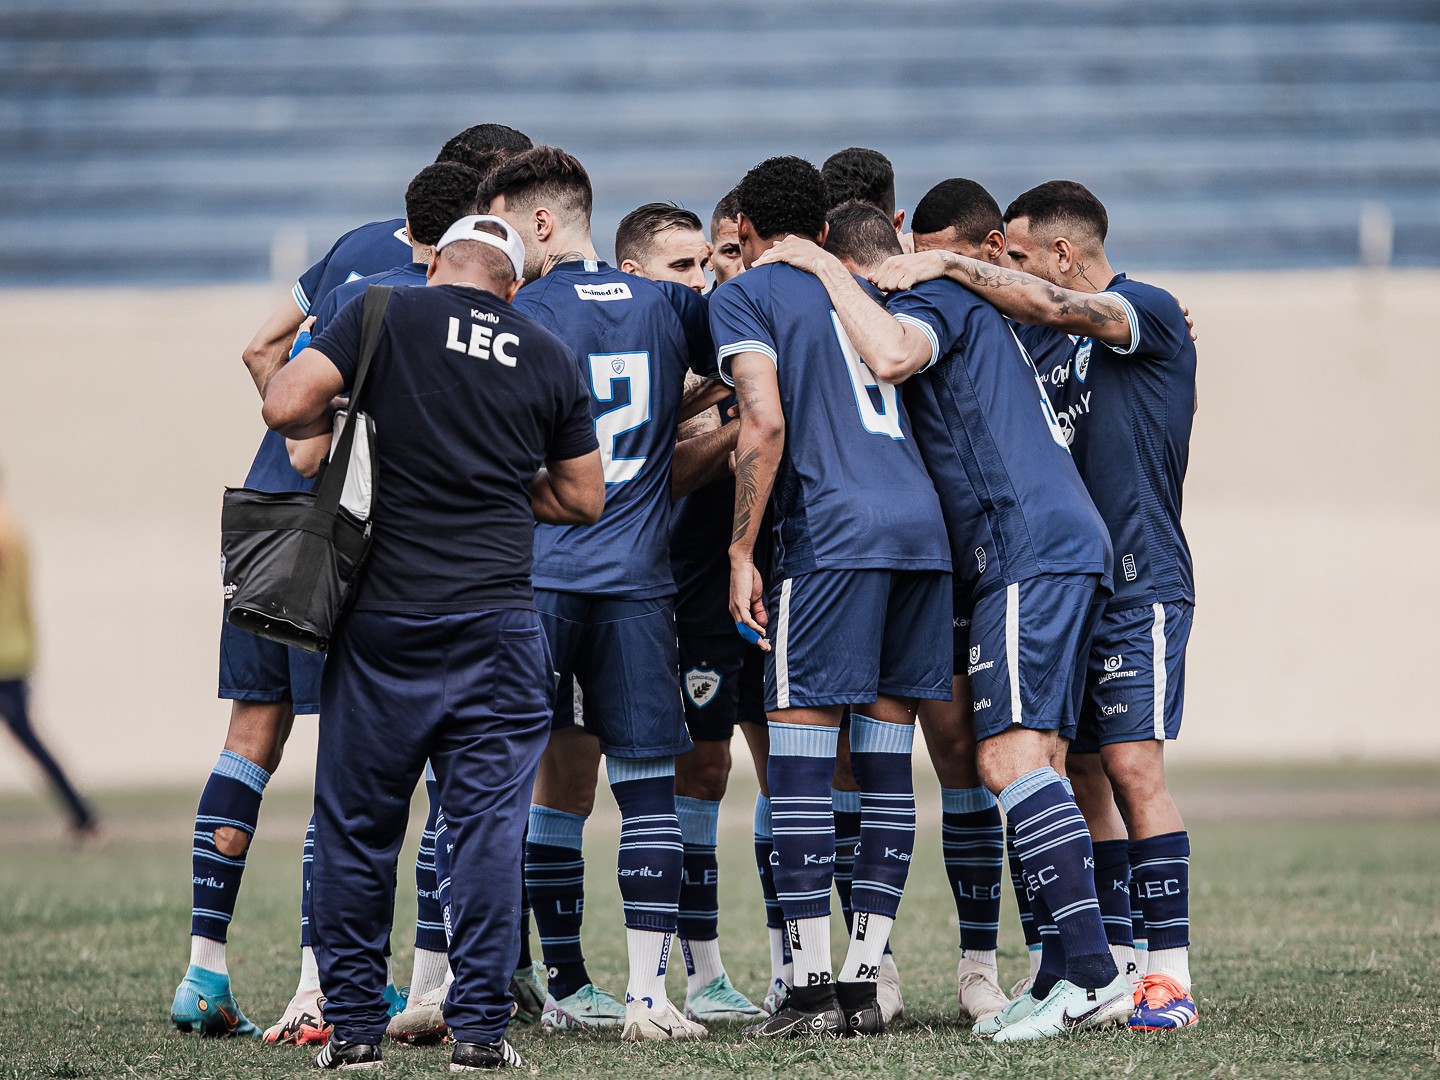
column 645, row 1022
column 588, row 1009
column 720, row 1003
column 1069, row 1008
column 422, row 1021
column 979, row 993
column 887, row 991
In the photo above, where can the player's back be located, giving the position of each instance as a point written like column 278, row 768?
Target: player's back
column 369, row 249
column 631, row 341
column 851, row 491
column 1014, row 503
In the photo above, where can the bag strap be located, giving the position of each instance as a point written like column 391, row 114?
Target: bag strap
column 332, row 483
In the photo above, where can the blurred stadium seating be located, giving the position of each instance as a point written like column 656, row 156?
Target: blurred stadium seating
column 1231, row 134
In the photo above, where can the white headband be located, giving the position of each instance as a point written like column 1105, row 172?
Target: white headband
column 510, row 243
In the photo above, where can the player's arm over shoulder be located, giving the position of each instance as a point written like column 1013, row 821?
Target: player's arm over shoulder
column 1159, row 329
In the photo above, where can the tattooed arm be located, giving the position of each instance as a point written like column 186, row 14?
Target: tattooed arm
column 701, row 457
column 1023, row 297
column 757, row 458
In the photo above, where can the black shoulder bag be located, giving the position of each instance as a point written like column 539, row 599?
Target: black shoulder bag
column 290, row 560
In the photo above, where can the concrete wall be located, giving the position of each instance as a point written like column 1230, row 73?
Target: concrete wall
column 1313, row 508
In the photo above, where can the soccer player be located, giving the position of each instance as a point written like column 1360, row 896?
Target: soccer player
column 860, row 174
column 719, row 689
column 486, row 430
column 1128, row 397
column 1032, row 559
column 605, row 594
column 857, row 604
column 725, row 259
column 268, row 684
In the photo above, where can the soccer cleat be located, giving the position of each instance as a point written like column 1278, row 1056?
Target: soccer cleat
column 396, row 998
column 808, row 1012
column 303, row 1023
column 718, row 1002
column 775, row 997
column 1069, row 1008
column 1019, row 1007
column 887, row 991
column 587, row 1009
column 859, row 1003
column 422, row 1021
column 339, row 1054
column 476, row 1056
column 979, row 994
column 647, row 1022
column 528, row 990
column 1162, row 1004
column 203, row 1002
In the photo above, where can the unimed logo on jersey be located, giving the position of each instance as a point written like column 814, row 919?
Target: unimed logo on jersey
column 615, row 290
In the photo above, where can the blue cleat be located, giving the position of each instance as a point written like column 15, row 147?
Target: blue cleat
column 204, row 1004
column 396, row 998
column 1162, row 1004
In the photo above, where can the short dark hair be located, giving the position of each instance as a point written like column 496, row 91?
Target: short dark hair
column 861, row 233
column 438, row 197
column 637, row 231
column 491, row 259
column 543, row 175
column 1060, row 206
column 477, row 146
column 783, row 195
column 861, row 174
column 725, row 210
column 959, row 204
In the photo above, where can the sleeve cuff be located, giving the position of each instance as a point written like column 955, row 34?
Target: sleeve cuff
column 1134, row 324
column 301, row 300
column 725, row 352
column 930, row 336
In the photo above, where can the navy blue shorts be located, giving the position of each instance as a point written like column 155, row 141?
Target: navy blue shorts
column 843, row 637
column 623, row 655
column 258, row 669
column 1023, row 651
column 722, row 682
column 1135, row 684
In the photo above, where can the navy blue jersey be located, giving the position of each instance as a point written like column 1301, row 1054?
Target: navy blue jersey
column 634, row 339
column 1015, row 507
column 1127, row 414
column 469, row 397
column 370, row 249
column 851, row 491
column 411, row 274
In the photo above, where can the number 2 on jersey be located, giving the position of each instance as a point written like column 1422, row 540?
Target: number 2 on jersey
column 882, row 421
column 606, row 369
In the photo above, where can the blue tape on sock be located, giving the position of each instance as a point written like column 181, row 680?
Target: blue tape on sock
column 555, row 828
column 619, row 770
column 965, row 800
column 699, row 821
column 242, row 769
column 869, row 736
column 763, row 828
column 803, row 740
column 1026, row 786
column 844, row 802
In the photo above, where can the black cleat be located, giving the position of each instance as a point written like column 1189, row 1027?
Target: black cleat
column 467, row 1056
column 338, row 1054
column 861, row 1008
column 810, row 1012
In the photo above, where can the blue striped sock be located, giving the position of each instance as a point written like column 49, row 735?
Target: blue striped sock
column 880, row 756
column 1058, row 860
column 555, row 882
column 846, row 807
column 1112, row 890
column 307, row 861
column 429, row 919
column 699, row 918
column 802, row 761
column 651, row 852
column 1161, row 866
column 231, row 798
column 764, row 849
column 972, row 842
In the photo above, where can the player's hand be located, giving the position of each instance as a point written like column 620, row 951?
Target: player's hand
column 798, row 252
column 900, row 272
column 1189, row 322
column 747, row 604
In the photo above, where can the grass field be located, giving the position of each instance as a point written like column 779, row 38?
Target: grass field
column 1316, row 915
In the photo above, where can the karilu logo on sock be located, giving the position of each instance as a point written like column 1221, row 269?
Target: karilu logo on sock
column 862, row 924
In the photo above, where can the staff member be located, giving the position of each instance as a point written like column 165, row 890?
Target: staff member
column 483, row 424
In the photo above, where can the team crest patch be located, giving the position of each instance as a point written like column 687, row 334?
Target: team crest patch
column 1082, row 359
column 701, row 685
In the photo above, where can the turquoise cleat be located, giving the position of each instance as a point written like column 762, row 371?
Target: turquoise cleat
column 203, row 1003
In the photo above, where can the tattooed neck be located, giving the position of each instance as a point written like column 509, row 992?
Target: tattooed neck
column 564, row 257
column 1082, row 272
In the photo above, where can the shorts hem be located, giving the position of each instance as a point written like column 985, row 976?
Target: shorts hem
column 631, row 753
column 1053, row 723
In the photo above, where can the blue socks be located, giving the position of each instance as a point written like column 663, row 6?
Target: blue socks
column 231, row 798
column 846, row 807
column 307, row 861
column 429, row 919
column 1023, row 900
column 1058, row 862
column 1161, row 869
column 880, row 757
column 973, row 843
column 764, row 849
column 651, row 853
column 1112, row 890
column 555, row 882
column 802, row 762
column 700, row 875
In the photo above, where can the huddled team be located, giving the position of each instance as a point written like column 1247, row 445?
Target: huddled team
column 866, row 478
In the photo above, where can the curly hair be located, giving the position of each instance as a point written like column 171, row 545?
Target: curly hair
column 437, row 197
column 861, row 174
column 476, row 146
column 783, row 195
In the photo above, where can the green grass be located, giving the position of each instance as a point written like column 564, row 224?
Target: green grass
column 1318, row 953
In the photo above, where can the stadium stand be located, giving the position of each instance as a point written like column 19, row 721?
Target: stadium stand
column 1230, row 134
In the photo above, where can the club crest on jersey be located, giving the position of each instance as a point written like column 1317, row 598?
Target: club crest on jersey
column 618, row 366
column 1082, row 359
column 701, row 685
